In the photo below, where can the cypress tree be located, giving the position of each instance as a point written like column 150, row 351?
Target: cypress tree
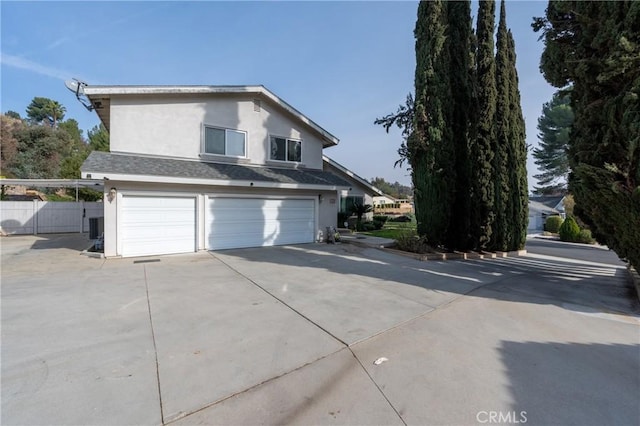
column 430, row 152
column 519, row 195
column 459, row 39
column 601, row 41
column 481, row 149
column 502, row 168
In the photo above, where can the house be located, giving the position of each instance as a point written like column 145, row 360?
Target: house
column 360, row 191
column 387, row 205
column 208, row 168
column 542, row 207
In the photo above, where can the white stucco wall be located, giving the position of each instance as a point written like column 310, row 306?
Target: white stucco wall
column 172, row 125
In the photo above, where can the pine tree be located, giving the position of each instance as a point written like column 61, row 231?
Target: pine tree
column 595, row 46
column 459, row 34
column 502, row 205
column 481, row 148
column 551, row 158
column 519, row 187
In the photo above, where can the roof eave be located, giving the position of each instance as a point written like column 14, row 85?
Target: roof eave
column 124, row 177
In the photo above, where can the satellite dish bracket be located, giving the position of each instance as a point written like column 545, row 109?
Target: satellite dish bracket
column 76, row 86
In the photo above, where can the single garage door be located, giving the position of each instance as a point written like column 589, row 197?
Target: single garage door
column 158, row 225
column 256, row 222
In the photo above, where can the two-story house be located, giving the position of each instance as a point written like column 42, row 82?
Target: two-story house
column 209, row 167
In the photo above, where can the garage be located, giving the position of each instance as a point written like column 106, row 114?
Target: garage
column 154, row 225
column 258, row 222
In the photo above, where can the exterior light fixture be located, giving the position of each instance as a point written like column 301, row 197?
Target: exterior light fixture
column 111, row 195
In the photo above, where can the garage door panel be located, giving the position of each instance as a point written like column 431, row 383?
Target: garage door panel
column 251, row 222
column 157, row 225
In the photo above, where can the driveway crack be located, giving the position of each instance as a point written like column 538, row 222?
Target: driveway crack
column 155, row 347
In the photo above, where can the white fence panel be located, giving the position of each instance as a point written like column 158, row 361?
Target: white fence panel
column 43, row 217
column 59, row 217
column 18, row 217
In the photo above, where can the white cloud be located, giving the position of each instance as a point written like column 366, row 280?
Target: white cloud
column 26, row 64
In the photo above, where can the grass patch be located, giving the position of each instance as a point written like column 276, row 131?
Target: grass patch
column 392, row 230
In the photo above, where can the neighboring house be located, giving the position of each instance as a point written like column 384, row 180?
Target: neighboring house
column 208, row 168
column 542, row 207
column 387, row 205
column 360, row 191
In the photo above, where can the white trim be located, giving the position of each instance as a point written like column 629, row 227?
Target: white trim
column 209, row 182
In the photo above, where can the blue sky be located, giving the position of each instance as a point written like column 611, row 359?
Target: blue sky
column 343, row 64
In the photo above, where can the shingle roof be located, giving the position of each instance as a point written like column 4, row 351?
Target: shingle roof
column 550, row 201
column 104, row 162
column 536, row 207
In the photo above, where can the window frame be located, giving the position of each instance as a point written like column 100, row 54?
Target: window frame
column 226, row 130
column 286, row 151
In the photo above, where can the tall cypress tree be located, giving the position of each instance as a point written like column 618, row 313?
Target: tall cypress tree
column 502, row 204
column 596, row 47
column 459, row 39
column 481, row 148
column 519, row 195
column 430, row 152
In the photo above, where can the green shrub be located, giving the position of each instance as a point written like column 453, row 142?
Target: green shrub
column 585, row 237
column 380, row 218
column 366, row 227
column 408, row 240
column 403, row 218
column 569, row 230
column 552, row 224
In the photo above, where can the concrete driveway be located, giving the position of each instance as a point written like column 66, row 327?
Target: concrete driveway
column 289, row 335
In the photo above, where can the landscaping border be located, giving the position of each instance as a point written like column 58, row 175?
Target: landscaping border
column 455, row 255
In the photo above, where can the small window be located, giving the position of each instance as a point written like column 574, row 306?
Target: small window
column 225, row 142
column 284, row 149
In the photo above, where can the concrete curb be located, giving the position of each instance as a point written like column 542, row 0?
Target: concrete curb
column 634, row 277
column 454, row 255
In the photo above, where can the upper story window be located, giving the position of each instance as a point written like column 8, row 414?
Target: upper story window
column 225, row 142
column 285, row 149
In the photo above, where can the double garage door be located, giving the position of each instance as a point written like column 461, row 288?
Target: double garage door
column 164, row 225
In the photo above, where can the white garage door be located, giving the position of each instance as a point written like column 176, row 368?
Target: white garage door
column 254, row 222
column 158, row 225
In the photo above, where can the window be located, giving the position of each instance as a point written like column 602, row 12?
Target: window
column 225, row 142
column 284, row 149
column 347, row 203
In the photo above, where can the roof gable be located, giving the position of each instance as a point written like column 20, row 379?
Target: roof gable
column 100, row 97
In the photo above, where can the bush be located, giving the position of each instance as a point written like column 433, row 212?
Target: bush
column 408, row 240
column 366, row 227
column 380, row 218
column 569, row 230
column 377, row 224
column 552, row 224
column 403, row 218
column 585, row 237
